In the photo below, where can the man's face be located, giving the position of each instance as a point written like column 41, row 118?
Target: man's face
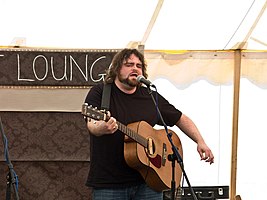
column 129, row 71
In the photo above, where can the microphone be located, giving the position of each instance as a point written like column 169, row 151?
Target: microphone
column 142, row 79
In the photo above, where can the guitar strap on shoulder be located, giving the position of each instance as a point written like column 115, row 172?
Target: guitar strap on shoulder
column 106, row 96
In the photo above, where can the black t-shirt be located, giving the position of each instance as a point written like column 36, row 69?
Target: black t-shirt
column 107, row 165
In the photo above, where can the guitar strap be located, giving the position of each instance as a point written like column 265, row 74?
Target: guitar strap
column 106, row 96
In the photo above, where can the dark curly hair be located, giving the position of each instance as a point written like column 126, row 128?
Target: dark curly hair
column 118, row 60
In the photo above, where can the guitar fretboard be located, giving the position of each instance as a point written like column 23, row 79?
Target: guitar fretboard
column 132, row 134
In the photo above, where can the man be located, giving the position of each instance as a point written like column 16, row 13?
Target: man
column 109, row 175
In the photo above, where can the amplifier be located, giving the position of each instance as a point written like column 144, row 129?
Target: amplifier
column 202, row 193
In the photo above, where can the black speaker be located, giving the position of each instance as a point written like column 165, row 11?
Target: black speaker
column 202, row 193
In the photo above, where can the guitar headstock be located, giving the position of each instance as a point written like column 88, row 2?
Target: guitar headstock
column 93, row 113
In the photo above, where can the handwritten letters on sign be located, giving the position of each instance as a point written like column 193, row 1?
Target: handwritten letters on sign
column 53, row 67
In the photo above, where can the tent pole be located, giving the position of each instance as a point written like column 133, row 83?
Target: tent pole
column 242, row 44
column 140, row 45
column 237, row 72
column 255, row 22
column 152, row 21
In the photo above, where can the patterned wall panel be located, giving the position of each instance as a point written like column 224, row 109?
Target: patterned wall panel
column 50, row 154
column 45, row 180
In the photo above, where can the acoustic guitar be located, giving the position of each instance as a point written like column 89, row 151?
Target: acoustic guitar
column 146, row 150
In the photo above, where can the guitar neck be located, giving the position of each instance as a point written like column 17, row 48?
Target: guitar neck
column 89, row 111
column 132, row 134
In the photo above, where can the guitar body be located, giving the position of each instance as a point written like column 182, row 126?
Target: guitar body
column 152, row 162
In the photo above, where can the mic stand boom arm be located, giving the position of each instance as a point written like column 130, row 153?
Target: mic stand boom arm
column 176, row 155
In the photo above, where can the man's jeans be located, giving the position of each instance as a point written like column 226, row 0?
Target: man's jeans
column 140, row 192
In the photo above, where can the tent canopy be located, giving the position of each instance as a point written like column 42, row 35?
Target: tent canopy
column 168, row 25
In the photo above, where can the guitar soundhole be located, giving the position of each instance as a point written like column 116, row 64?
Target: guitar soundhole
column 150, row 147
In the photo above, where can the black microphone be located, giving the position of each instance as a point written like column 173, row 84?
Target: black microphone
column 142, row 79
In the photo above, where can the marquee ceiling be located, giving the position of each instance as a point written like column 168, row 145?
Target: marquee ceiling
column 165, row 25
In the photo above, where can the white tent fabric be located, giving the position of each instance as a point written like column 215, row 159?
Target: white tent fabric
column 190, row 25
column 164, row 27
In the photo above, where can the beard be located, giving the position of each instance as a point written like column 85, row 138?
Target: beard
column 127, row 81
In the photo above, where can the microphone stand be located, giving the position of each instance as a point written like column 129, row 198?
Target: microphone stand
column 11, row 177
column 172, row 157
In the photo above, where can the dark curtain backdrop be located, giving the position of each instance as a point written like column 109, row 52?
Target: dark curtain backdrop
column 50, row 154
